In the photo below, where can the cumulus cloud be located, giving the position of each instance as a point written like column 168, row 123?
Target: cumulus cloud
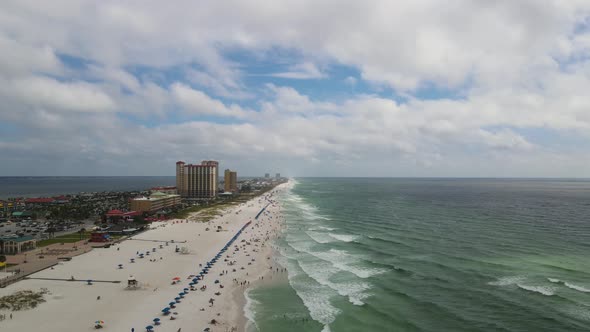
column 301, row 71
column 510, row 68
column 197, row 102
column 43, row 92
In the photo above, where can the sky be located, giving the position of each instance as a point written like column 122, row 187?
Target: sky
column 406, row 88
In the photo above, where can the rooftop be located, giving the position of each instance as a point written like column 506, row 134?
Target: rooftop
column 20, row 239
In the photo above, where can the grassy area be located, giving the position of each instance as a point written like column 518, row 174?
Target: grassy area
column 208, row 212
column 66, row 238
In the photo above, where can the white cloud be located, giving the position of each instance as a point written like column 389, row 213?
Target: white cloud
column 301, row 71
column 197, row 102
column 43, row 92
column 519, row 65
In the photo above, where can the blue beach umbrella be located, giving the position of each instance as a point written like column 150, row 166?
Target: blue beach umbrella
column 185, row 289
column 149, row 328
column 165, row 310
column 172, row 304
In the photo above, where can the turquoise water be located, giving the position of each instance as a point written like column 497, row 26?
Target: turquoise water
column 431, row 255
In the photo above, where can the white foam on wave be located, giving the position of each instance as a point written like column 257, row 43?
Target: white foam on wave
column 326, row 328
column 577, row 287
column 544, row 290
column 308, row 211
column 507, row 281
column 576, row 312
column 314, row 296
column 554, row 280
column 320, row 237
column 249, row 312
column 339, row 259
column 344, row 237
column 322, row 228
column 354, row 291
column 347, row 262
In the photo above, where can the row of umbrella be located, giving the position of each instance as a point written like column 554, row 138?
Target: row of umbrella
column 196, row 279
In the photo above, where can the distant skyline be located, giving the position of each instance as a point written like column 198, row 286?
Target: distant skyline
column 305, row 88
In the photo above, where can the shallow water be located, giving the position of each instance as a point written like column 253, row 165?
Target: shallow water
column 432, row 255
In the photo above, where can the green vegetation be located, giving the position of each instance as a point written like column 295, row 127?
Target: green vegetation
column 66, row 238
column 23, row 300
column 214, row 208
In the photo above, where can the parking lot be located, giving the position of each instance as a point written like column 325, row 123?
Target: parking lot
column 37, row 229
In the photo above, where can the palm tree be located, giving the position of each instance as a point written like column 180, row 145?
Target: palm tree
column 81, row 231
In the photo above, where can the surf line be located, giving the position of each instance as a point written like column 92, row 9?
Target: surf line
column 208, row 266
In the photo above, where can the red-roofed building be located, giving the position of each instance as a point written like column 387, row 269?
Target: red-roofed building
column 39, row 200
column 115, row 213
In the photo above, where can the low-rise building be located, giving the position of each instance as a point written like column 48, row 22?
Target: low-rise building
column 156, row 201
column 17, row 245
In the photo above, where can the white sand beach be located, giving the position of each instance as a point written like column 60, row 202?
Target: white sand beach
column 76, row 305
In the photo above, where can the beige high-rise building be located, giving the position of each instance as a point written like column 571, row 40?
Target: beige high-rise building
column 197, row 181
column 230, row 181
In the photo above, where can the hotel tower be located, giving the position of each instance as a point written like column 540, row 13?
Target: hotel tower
column 197, row 181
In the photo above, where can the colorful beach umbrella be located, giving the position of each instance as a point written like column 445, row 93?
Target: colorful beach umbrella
column 99, row 322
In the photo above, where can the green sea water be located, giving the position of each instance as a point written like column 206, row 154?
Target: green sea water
column 431, row 255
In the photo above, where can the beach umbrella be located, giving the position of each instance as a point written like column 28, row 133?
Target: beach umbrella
column 100, row 322
column 165, row 310
column 176, row 278
column 185, row 289
column 177, row 299
column 149, row 328
column 156, row 320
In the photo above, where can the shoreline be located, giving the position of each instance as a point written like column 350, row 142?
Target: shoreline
column 123, row 309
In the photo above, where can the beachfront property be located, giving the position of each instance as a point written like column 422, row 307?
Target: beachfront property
column 155, row 202
column 277, row 176
column 266, row 175
column 197, row 181
column 230, row 183
column 118, row 215
column 17, row 245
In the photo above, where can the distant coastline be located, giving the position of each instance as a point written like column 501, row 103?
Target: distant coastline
column 42, row 186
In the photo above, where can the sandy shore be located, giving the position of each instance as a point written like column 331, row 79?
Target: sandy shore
column 75, row 305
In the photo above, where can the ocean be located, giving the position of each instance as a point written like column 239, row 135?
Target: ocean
column 42, row 186
column 431, row 255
